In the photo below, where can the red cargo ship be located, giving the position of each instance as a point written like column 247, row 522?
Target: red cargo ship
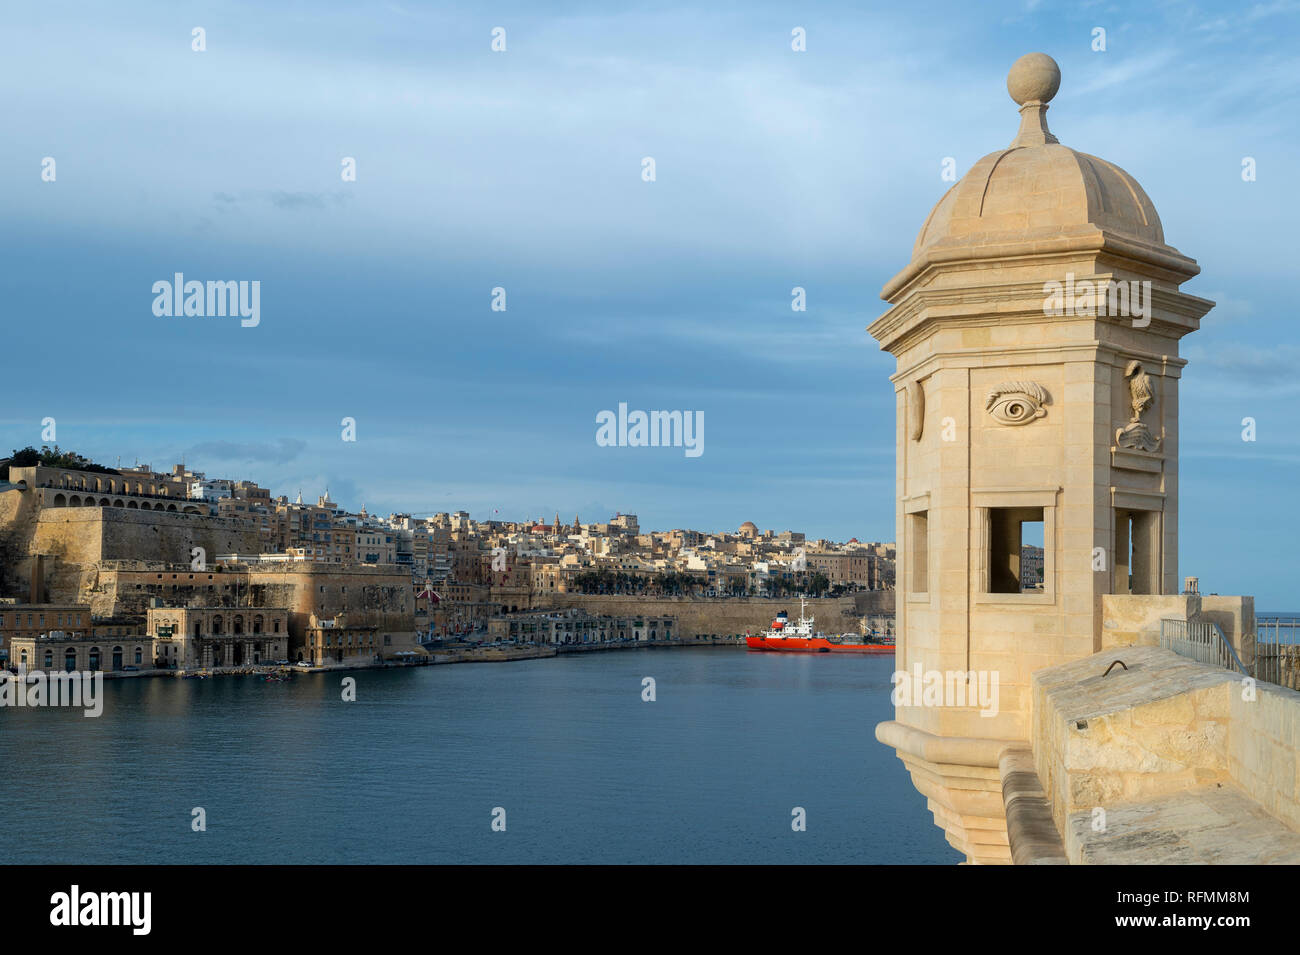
column 800, row 638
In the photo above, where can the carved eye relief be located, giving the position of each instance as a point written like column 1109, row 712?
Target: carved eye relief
column 1016, row 402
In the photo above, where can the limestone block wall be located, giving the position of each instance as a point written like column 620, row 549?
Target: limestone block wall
column 169, row 536
column 373, row 596
column 1236, row 617
column 874, row 602
column 102, row 533
column 18, row 513
column 962, row 786
column 1101, row 739
column 733, row 615
column 968, row 462
column 1134, row 619
column 130, row 588
column 1263, row 734
column 1164, row 726
column 75, row 540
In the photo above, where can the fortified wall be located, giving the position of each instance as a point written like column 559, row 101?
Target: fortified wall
column 733, row 615
column 380, row 596
column 74, row 542
column 125, row 553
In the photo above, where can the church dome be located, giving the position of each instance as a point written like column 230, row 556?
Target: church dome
column 1036, row 191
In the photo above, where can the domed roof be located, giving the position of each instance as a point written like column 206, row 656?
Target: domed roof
column 1046, row 188
column 1036, row 188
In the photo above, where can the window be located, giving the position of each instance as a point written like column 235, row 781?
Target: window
column 1011, row 529
column 1018, row 538
column 918, row 552
column 1137, row 551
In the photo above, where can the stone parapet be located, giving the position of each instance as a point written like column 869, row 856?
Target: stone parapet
column 1031, row 830
column 1165, row 759
column 1155, row 724
column 1134, row 619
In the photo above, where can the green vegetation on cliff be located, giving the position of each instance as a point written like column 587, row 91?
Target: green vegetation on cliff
column 50, row 458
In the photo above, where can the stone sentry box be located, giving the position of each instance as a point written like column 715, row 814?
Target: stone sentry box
column 1011, row 412
column 1015, row 405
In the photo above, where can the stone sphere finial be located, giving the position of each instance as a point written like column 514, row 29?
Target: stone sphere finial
column 1034, row 77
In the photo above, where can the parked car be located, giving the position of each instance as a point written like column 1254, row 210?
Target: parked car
column 130, row 668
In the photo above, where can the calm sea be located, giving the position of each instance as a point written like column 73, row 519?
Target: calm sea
column 412, row 771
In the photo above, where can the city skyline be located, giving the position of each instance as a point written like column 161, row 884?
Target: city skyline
column 494, row 516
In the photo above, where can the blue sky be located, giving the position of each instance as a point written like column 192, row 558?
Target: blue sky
column 522, row 170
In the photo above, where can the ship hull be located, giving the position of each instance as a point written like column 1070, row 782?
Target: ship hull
column 813, row 645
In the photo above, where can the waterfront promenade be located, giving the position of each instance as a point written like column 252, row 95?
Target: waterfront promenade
column 456, row 653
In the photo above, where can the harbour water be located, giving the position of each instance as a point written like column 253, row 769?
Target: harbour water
column 586, row 771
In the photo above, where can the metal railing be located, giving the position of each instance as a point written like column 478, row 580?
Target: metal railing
column 1277, row 651
column 1200, row 640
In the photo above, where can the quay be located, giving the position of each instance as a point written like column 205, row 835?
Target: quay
column 537, row 651
column 427, row 656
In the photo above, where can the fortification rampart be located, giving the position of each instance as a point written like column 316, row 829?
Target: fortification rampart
column 74, row 542
column 696, row 616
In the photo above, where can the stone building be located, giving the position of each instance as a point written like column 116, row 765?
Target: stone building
column 337, row 641
column 63, row 636
column 576, row 626
column 1036, row 331
column 190, row 637
column 20, row 622
column 62, row 650
column 132, row 489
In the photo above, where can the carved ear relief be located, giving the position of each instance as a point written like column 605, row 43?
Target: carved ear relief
column 1017, row 402
column 915, row 410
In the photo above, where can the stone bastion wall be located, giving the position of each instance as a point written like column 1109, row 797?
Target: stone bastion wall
column 723, row 616
column 73, row 542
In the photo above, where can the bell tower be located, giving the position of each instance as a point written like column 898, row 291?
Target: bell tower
column 1036, row 333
